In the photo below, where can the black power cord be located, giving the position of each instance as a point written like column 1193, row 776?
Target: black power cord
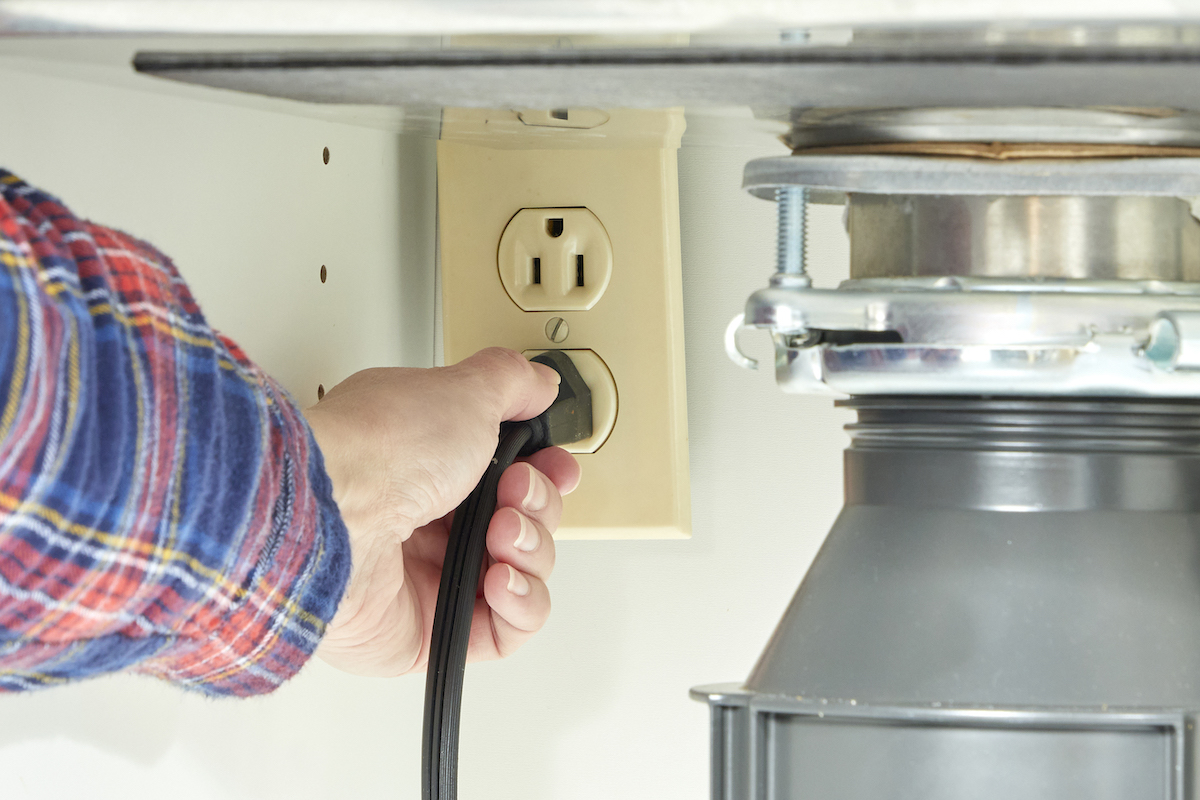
column 568, row 420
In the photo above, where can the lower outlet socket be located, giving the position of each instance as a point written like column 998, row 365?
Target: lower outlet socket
column 596, row 375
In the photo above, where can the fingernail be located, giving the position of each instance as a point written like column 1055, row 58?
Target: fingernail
column 529, row 538
column 535, row 498
column 516, row 582
column 578, row 481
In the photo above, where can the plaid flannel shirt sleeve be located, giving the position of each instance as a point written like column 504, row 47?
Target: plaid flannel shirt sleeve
column 164, row 508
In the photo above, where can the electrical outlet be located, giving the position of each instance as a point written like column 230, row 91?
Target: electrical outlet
column 510, row 192
column 555, row 259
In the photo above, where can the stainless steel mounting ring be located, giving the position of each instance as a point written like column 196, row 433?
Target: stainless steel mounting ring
column 829, row 177
column 981, row 337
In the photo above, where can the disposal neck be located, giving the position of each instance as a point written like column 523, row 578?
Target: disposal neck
column 1015, row 454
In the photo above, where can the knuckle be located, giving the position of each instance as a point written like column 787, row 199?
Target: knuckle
column 505, row 362
column 505, row 373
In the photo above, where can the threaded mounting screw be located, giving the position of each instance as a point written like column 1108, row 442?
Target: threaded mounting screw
column 792, row 207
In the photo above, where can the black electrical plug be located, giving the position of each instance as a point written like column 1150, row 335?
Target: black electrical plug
column 569, row 417
column 567, row 420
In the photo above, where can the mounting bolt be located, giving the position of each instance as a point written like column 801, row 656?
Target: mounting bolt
column 792, row 207
column 1173, row 344
column 557, row 330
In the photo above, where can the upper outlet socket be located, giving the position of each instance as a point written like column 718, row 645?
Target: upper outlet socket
column 555, row 259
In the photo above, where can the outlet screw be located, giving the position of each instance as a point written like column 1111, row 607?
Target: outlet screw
column 557, row 330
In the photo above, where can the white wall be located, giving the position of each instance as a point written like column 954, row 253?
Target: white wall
column 596, row 706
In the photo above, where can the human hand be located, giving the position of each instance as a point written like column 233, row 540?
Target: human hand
column 403, row 447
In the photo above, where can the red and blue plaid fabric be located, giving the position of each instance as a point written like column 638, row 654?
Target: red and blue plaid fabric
column 163, row 506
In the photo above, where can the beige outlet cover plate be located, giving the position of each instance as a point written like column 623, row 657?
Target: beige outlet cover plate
column 490, row 166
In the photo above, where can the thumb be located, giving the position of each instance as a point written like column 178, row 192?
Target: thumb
column 516, row 388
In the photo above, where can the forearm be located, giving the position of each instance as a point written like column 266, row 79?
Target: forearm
column 163, row 507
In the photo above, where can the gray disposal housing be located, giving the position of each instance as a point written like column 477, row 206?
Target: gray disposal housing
column 1007, row 607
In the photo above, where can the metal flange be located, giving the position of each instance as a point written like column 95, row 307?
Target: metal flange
column 964, row 337
column 831, row 177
